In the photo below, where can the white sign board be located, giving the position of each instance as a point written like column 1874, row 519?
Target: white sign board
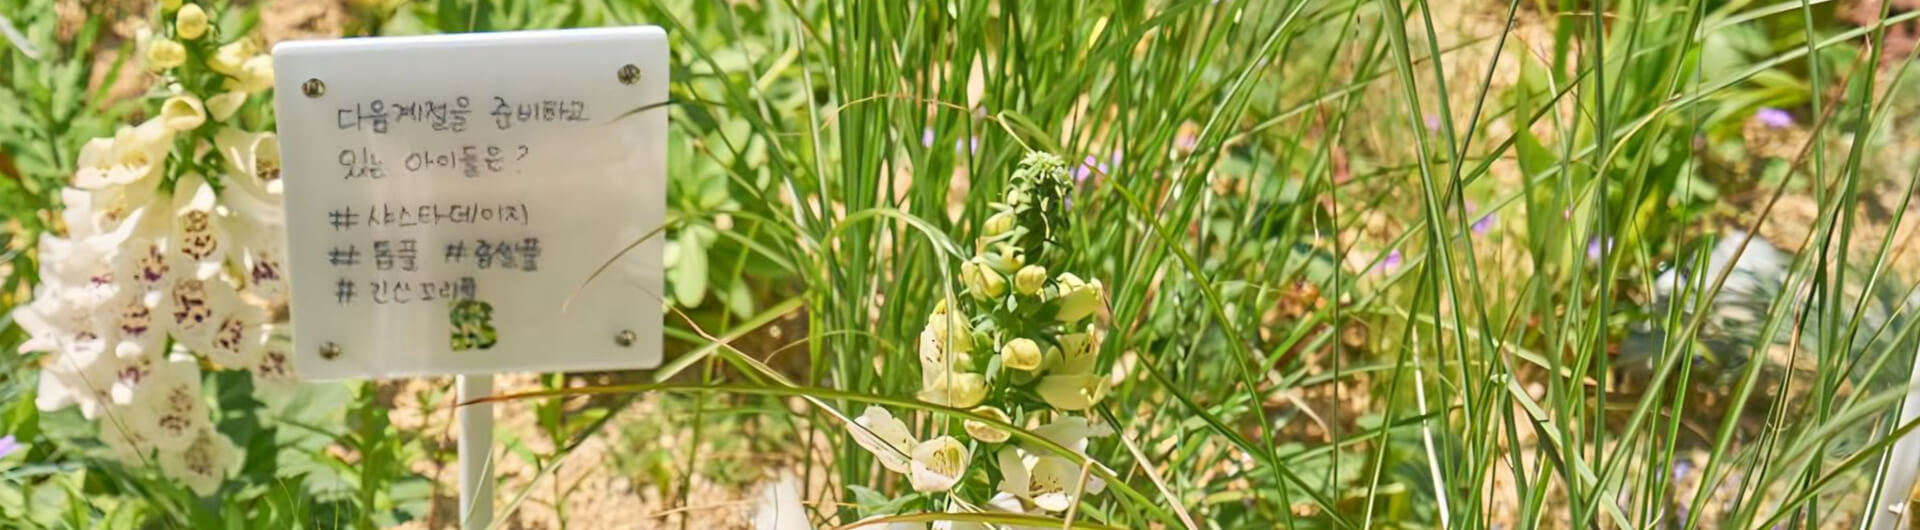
column 449, row 197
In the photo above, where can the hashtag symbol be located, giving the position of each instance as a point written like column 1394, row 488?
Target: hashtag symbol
column 343, row 291
column 456, row 251
column 343, row 258
column 343, row 218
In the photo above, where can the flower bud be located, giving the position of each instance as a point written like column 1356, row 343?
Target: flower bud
column 164, row 53
column 1077, row 298
column 1021, row 354
column 983, row 282
column 223, row 106
column 229, row 57
column 998, row 225
column 984, row 432
column 182, row 113
column 191, row 22
column 1030, row 279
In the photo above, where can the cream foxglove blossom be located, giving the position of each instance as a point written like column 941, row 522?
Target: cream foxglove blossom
column 164, row 53
column 255, row 223
column 200, row 235
column 957, row 390
column 165, row 404
column 131, row 157
column 1078, row 298
column 984, row 432
column 229, row 57
column 887, row 438
column 252, row 160
column 1050, row 481
column 1072, row 392
column 183, row 112
column 256, row 74
column 222, row 106
column 938, row 464
column 203, row 463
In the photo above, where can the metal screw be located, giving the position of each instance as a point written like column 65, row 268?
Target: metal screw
column 329, row 351
column 313, row 88
column 629, row 74
column 625, row 338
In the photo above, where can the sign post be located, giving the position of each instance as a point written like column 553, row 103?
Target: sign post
column 474, row 204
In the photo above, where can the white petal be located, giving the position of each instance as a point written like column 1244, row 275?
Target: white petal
column 887, row 438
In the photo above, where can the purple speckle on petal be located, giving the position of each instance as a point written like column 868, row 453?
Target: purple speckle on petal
column 1775, row 118
column 1433, row 123
column 1485, row 223
column 8, row 445
column 926, row 138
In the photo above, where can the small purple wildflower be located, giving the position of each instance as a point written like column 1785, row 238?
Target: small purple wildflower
column 1186, row 142
column 1774, row 118
column 1485, row 224
column 1390, row 263
column 972, row 145
column 1087, row 168
column 8, row 445
column 1433, row 123
column 1681, row 468
column 926, row 138
column 1594, row 249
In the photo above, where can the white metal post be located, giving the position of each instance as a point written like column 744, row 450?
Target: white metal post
column 1898, row 471
column 476, row 451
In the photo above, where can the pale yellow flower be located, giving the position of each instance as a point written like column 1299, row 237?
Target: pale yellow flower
column 223, row 105
column 164, row 53
column 984, row 432
column 253, row 160
column 1072, row 392
column 191, row 22
column 1078, row 298
column 957, row 390
column 256, row 74
column 183, row 112
column 938, row 464
column 228, row 58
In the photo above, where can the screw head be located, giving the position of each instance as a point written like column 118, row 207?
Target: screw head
column 625, row 338
column 313, row 88
column 329, row 351
column 629, row 74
